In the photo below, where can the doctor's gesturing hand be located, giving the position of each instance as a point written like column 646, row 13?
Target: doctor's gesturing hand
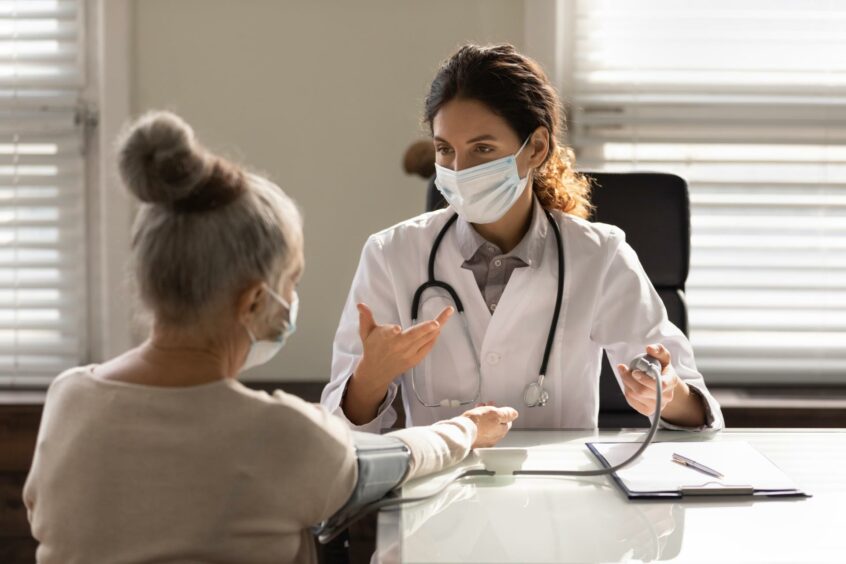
column 388, row 351
column 677, row 402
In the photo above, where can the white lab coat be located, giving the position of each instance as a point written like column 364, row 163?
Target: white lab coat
column 608, row 304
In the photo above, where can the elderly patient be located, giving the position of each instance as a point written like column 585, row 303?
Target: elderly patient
column 161, row 454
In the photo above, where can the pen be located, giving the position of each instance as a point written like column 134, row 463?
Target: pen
column 685, row 461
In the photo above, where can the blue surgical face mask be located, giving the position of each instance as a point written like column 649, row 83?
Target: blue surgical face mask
column 261, row 351
column 483, row 193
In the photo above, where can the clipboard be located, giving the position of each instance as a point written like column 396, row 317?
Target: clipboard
column 748, row 473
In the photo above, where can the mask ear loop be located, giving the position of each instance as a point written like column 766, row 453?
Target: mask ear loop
column 520, row 150
column 249, row 333
column 290, row 307
column 523, row 146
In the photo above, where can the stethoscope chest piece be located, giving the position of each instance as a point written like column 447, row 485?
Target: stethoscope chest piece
column 534, row 395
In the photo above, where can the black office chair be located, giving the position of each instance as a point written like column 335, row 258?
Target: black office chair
column 653, row 209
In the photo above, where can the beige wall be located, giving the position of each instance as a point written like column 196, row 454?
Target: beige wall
column 322, row 96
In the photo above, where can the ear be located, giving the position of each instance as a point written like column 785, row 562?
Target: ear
column 248, row 301
column 539, row 147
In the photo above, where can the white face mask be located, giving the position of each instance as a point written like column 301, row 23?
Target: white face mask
column 261, row 351
column 483, row 193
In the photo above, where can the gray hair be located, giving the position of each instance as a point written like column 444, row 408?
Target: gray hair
column 206, row 228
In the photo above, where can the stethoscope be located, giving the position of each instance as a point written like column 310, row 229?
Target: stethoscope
column 534, row 394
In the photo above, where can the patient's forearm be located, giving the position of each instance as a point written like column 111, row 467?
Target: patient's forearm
column 437, row 446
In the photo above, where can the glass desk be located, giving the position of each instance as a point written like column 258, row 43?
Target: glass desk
column 505, row 518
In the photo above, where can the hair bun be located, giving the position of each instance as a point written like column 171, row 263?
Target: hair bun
column 160, row 160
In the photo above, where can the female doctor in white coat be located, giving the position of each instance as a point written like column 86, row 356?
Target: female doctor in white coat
column 543, row 291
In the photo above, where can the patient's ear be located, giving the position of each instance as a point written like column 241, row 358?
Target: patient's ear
column 249, row 301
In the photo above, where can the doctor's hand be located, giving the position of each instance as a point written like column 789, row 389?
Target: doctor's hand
column 388, row 351
column 639, row 388
column 492, row 423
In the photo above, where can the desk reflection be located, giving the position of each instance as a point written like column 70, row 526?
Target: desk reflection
column 537, row 519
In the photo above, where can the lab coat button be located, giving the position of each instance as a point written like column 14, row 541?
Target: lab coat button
column 492, row 307
column 493, row 358
column 497, row 262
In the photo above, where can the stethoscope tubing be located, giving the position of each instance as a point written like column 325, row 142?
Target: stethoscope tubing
column 432, row 282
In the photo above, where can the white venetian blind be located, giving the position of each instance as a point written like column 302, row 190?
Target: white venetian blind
column 747, row 101
column 42, row 221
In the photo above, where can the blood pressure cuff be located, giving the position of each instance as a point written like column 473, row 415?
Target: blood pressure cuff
column 383, row 462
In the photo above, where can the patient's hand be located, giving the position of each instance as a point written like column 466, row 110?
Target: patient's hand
column 492, row 423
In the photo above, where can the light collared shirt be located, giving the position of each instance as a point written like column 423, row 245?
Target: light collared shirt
column 490, row 266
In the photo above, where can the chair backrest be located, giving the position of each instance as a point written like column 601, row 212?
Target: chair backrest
column 653, row 209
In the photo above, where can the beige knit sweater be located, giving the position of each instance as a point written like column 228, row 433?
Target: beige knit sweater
column 211, row 473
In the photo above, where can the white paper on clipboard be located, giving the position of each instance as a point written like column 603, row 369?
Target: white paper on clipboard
column 654, row 470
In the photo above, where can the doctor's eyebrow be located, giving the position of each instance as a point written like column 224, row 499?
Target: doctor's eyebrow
column 484, row 137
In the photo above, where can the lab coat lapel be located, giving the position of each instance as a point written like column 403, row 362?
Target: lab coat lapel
column 510, row 314
column 527, row 302
column 518, row 331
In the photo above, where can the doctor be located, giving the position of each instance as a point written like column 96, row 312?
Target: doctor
column 517, row 293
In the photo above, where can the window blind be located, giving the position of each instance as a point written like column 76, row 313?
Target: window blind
column 747, row 101
column 42, row 201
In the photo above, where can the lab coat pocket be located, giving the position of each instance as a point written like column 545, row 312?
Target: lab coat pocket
column 450, row 371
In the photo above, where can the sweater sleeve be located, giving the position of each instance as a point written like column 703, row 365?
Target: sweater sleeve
column 438, row 446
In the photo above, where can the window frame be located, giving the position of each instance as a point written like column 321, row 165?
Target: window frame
column 110, row 209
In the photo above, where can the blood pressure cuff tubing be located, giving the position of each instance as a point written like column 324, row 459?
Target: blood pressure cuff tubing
column 383, row 462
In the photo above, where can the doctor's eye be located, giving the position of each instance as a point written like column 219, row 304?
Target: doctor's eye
column 443, row 149
column 484, row 149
